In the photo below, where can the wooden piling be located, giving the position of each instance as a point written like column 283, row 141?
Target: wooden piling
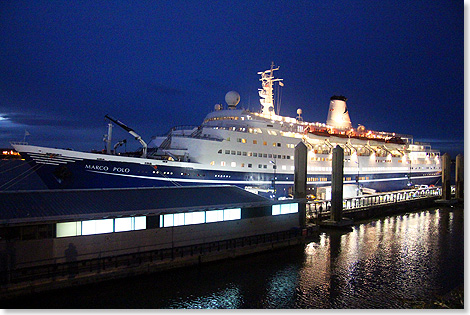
column 300, row 180
column 337, row 184
column 446, row 192
column 459, row 176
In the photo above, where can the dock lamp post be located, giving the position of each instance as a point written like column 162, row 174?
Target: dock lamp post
column 274, row 179
column 357, row 178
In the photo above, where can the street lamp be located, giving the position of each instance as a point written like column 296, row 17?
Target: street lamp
column 274, row 179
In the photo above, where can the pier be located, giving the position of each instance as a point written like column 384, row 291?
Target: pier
column 379, row 204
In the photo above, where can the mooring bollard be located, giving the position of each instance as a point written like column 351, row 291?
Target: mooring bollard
column 446, row 193
column 300, row 180
column 337, row 184
column 459, row 176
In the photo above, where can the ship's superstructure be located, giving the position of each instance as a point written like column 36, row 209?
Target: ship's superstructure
column 252, row 150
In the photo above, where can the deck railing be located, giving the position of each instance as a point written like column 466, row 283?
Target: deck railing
column 323, row 206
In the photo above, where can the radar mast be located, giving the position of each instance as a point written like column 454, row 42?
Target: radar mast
column 266, row 93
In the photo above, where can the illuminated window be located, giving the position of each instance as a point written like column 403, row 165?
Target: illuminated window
column 97, row 226
column 214, row 216
column 285, row 208
column 243, row 140
column 233, row 164
column 167, row 220
column 212, row 162
column 265, row 143
column 232, row 214
column 69, row 229
column 194, row 217
column 122, row 224
column 178, row 219
column 140, row 223
column 222, row 163
column 255, row 142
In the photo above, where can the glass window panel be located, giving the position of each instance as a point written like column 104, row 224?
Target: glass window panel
column 167, row 220
column 140, row 223
column 199, row 217
column 294, row 207
column 232, row 214
column 214, row 216
column 104, row 226
column 88, row 227
column 178, row 219
column 68, row 229
column 276, row 210
column 289, row 208
column 188, row 218
column 122, row 224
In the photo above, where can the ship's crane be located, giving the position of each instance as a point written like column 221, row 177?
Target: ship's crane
column 132, row 132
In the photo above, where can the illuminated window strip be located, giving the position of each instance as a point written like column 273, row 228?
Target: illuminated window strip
column 200, row 217
column 285, row 208
column 93, row 227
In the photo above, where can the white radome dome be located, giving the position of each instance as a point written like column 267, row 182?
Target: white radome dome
column 232, row 98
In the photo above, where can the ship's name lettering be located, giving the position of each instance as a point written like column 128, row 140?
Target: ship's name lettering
column 97, row 167
column 121, row 169
column 105, row 168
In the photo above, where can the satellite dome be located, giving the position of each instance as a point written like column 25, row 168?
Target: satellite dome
column 232, row 98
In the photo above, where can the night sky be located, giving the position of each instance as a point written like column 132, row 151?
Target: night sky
column 64, row 65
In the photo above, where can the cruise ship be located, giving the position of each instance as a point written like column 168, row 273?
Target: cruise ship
column 252, row 150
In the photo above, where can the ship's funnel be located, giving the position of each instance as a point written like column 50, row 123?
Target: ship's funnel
column 338, row 116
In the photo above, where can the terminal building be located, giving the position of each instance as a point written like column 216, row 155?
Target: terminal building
column 52, row 228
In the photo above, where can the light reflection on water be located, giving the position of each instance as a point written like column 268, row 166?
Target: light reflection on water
column 387, row 263
column 384, row 263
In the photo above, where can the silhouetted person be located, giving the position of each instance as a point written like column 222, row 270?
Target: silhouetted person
column 71, row 259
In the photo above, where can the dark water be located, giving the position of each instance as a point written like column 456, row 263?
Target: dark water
column 393, row 262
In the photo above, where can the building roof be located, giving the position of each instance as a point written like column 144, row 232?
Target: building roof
column 57, row 205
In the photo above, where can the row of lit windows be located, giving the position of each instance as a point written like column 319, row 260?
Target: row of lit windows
column 275, row 144
column 91, row 227
column 101, row 226
column 199, row 217
column 393, row 168
column 324, row 179
column 316, row 179
column 318, row 159
column 250, row 165
column 239, row 129
column 285, row 208
column 254, row 154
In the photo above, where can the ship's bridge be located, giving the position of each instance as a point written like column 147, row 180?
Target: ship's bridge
column 231, row 117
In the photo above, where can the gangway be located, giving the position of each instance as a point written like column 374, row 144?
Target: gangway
column 318, row 208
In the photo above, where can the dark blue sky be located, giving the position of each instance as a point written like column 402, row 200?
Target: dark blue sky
column 157, row 64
